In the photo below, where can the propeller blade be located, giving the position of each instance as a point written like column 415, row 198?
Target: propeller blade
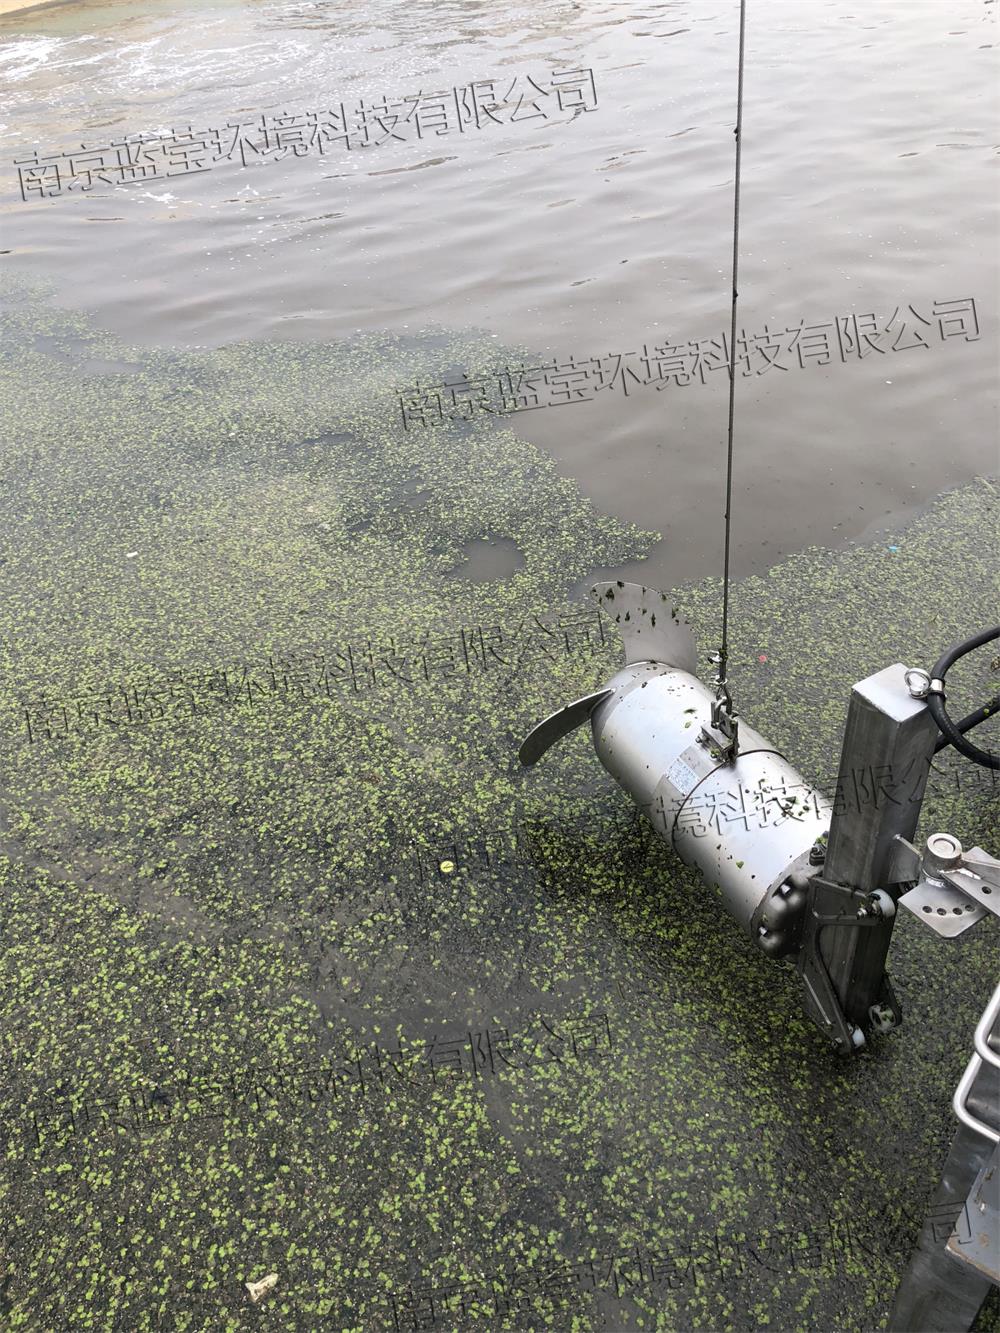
column 558, row 725
column 652, row 627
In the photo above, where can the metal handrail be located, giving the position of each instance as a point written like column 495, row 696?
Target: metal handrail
column 990, row 1015
column 982, row 1055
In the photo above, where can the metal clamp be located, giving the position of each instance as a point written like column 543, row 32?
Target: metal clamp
column 722, row 734
column 920, row 683
column 952, row 889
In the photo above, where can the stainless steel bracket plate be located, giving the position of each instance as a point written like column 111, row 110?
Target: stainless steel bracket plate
column 946, row 910
column 982, row 1210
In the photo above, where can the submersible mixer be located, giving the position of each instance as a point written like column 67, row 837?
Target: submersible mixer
column 803, row 877
column 654, row 732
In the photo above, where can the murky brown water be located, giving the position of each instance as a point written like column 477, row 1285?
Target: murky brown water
column 869, row 184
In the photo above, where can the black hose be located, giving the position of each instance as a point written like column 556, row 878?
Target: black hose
column 936, row 703
column 971, row 720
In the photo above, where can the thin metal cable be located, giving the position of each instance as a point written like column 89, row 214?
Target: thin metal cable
column 724, row 650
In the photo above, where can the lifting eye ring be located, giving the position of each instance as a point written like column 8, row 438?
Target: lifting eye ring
column 918, row 682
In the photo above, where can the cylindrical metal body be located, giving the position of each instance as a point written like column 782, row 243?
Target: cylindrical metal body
column 747, row 825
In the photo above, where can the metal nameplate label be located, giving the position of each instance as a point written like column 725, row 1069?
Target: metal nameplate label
column 683, row 777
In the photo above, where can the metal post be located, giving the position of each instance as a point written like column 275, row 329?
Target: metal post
column 888, row 745
column 890, row 739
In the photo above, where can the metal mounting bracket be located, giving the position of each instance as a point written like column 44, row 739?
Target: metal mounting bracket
column 825, row 908
column 954, row 889
column 722, row 736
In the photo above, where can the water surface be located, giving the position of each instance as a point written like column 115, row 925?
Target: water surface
column 869, row 186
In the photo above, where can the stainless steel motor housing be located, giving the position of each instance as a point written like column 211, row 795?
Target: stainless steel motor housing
column 762, row 818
